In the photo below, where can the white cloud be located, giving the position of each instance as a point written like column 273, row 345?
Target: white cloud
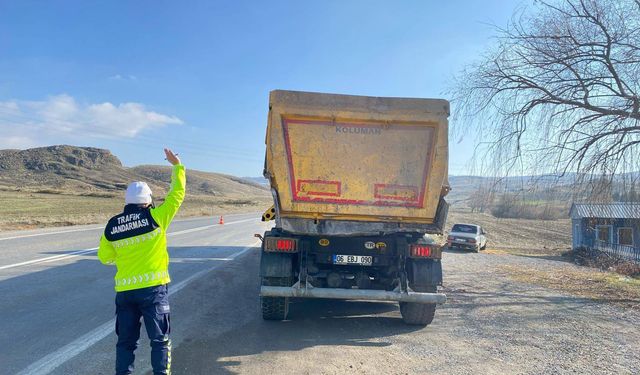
column 29, row 123
column 17, row 142
column 120, row 77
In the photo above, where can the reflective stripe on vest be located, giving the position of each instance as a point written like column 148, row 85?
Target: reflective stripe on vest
column 137, row 239
column 145, row 277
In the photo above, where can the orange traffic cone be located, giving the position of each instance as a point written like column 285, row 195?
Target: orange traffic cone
column 221, row 222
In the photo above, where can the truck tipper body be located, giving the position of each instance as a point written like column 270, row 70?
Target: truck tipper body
column 358, row 184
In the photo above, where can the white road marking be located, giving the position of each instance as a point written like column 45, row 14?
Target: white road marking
column 189, row 260
column 51, row 258
column 72, row 254
column 86, row 229
column 209, row 226
column 50, row 233
column 53, row 360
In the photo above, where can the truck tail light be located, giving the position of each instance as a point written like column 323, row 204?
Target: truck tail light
column 281, row 244
column 449, row 238
column 426, row 251
column 471, row 240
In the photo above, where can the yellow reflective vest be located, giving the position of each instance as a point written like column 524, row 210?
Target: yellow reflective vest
column 136, row 241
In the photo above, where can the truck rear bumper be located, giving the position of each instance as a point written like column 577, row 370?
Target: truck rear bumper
column 363, row 294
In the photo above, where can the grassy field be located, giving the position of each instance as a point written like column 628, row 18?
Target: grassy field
column 21, row 210
column 35, row 186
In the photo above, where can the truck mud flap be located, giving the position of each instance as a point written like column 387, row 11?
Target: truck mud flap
column 276, row 265
column 426, row 273
column 362, row 294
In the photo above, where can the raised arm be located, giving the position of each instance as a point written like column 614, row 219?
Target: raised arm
column 164, row 213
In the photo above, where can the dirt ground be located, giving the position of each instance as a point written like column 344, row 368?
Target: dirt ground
column 501, row 317
column 492, row 323
column 548, row 240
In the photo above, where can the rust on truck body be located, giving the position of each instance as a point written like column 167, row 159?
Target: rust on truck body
column 357, row 159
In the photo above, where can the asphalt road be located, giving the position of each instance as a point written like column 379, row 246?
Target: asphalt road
column 57, row 299
column 57, row 315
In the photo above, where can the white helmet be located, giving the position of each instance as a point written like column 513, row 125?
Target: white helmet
column 138, row 193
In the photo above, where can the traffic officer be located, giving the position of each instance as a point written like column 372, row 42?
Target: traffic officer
column 135, row 241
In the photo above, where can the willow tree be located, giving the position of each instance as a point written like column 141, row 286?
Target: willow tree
column 559, row 90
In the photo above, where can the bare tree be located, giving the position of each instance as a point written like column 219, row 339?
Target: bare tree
column 481, row 199
column 560, row 91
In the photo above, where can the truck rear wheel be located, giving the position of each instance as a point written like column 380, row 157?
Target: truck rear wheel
column 417, row 313
column 275, row 308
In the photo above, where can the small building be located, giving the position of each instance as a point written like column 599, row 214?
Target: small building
column 610, row 227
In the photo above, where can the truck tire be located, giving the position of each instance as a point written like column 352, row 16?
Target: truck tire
column 420, row 314
column 275, row 308
column 417, row 313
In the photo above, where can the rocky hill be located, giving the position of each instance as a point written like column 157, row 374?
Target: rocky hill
column 91, row 171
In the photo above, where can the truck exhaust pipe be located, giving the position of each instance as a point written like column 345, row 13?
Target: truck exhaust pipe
column 363, row 294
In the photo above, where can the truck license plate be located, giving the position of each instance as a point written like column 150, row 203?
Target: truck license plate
column 363, row 260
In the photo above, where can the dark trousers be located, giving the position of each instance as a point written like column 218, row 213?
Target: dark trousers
column 152, row 305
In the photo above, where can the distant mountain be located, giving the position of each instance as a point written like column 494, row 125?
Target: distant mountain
column 258, row 180
column 87, row 171
column 206, row 183
column 570, row 187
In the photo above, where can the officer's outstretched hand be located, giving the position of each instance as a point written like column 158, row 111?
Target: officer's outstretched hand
column 171, row 157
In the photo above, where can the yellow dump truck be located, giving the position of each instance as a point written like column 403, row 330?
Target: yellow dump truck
column 358, row 184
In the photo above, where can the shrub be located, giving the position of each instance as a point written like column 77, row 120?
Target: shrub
column 526, row 211
column 597, row 259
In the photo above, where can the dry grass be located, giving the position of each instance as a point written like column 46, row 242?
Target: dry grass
column 543, row 252
column 583, row 282
column 68, row 185
column 21, row 210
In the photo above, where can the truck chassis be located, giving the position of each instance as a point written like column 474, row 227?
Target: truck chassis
column 400, row 267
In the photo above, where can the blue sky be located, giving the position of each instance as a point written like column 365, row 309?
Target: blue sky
column 134, row 76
